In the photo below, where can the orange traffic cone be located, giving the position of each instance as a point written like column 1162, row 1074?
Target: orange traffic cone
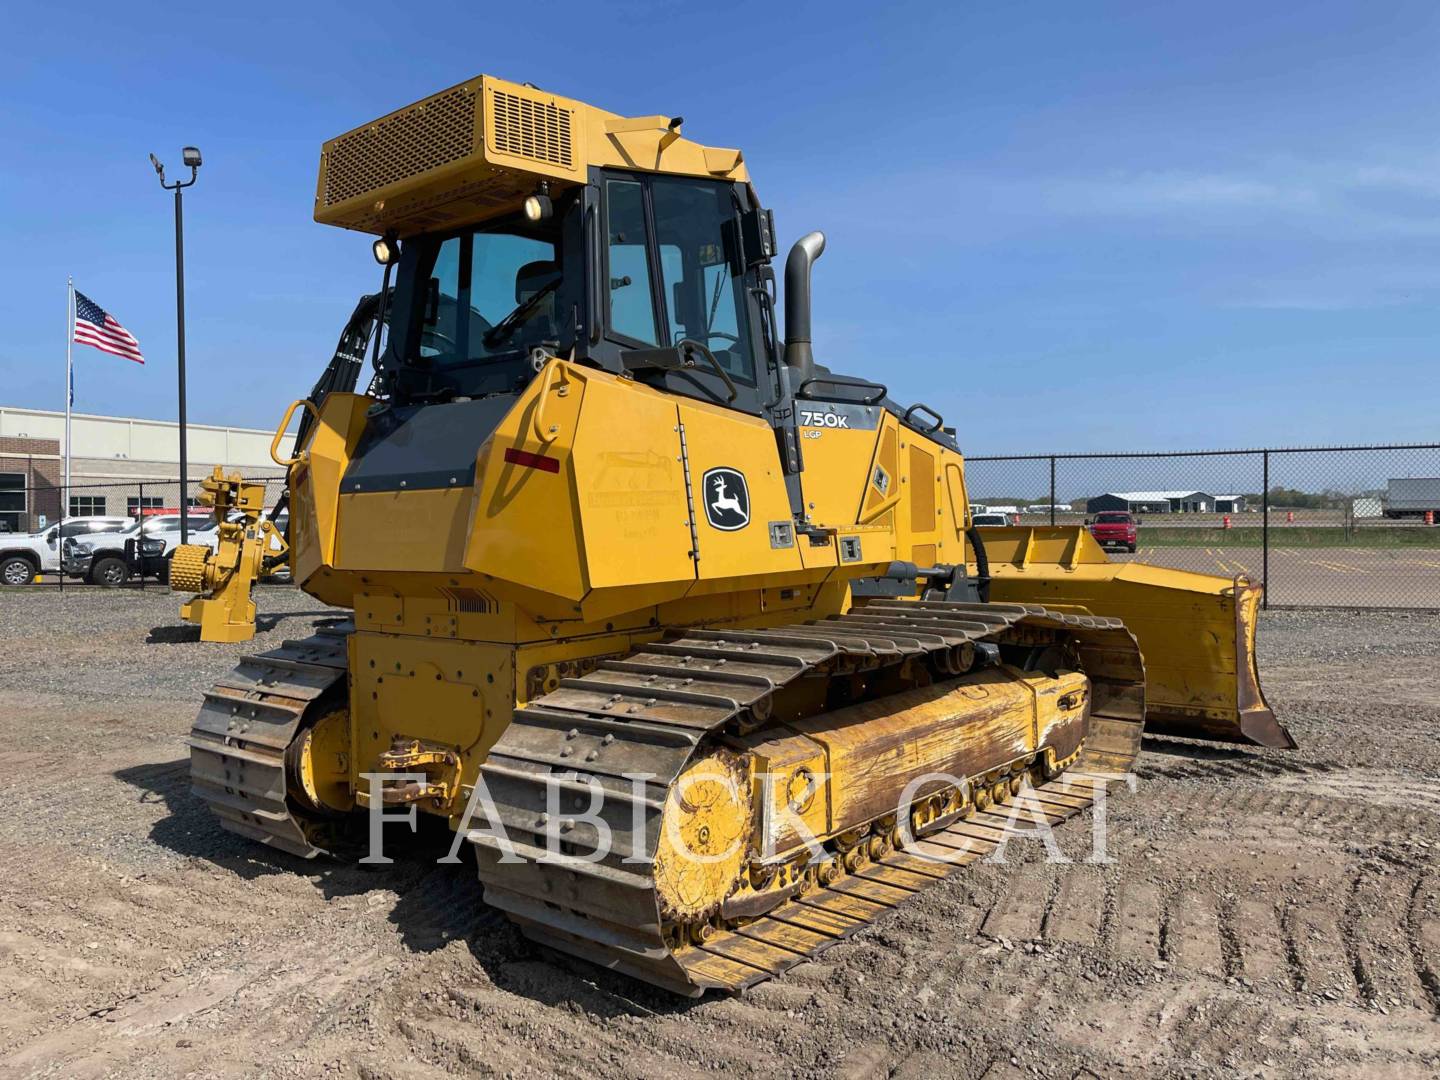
column 1290, row 516
column 1429, row 517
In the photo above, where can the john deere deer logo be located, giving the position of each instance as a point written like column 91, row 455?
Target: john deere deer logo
column 726, row 498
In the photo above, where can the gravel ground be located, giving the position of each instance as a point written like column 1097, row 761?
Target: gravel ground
column 1265, row 914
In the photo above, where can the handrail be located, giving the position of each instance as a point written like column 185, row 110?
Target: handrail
column 300, row 455
column 688, row 345
column 859, row 384
column 547, row 376
column 920, row 405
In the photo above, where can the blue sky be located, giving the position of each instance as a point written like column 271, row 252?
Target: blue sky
column 1067, row 226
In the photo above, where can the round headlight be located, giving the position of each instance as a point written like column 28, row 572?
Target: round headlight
column 386, row 249
column 538, row 207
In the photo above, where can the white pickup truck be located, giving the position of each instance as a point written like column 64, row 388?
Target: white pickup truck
column 109, row 558
column 24, row 555
column 112, row 558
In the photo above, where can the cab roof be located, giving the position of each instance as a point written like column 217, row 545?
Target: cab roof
column 479, row 148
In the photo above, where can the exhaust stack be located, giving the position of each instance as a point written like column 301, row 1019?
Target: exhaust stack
column 798, row 354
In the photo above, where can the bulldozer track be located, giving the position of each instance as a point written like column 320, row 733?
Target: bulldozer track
column 238, row 742
column 189, row 920
column 652, row 710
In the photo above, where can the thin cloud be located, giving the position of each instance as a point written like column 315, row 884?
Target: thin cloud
column 1151, row 192
column 1332, row 199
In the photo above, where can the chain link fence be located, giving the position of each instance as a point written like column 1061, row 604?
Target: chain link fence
column 86, row 535
column 1346, row 526
column 1343, row 526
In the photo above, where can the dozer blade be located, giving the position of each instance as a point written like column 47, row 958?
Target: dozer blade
column 1196, row 631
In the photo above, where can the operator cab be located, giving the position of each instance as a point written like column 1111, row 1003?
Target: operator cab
column 639, row 274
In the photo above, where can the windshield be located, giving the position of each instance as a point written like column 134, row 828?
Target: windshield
column 482, row 293
column 196, row 522
column 166, row 523
column 703, row 292
column 1113, row 519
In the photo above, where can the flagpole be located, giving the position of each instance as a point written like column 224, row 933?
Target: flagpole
column 69, row 381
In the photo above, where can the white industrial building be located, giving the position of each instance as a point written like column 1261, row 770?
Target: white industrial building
column 111, row 457
column 1166, row 502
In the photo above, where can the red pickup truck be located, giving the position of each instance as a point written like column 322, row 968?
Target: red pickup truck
column 1114, row 528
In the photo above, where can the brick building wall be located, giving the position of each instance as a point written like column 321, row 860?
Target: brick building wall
column 30, row 482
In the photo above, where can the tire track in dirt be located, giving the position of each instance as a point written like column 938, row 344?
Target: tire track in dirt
column 1192, row 953
column 1422, row 925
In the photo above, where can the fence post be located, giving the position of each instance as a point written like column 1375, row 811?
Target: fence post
column 60, row 532
column 1265, row 528
column 140, row 535
column 1052, row 491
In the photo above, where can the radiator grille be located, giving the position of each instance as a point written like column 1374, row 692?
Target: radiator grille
column 922, row 491
column 471, row 601
column 431, row 134
column 539, row 130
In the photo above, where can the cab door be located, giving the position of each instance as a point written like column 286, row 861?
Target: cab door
column 674, row 273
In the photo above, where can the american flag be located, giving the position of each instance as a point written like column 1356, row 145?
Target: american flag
column 96, row 326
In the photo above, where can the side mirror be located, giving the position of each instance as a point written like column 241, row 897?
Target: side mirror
column 1089, row 521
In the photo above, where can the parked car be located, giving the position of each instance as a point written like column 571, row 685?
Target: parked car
column 155, row 551
column 103, row 558
column 989, row 519
column 1115, row 528
column 24, row 555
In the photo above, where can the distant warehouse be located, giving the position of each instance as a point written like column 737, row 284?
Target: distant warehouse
column 1166, row 502
column 112, row 456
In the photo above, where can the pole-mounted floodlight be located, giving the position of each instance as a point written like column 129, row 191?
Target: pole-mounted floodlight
column 190, row 156
column 387, row 254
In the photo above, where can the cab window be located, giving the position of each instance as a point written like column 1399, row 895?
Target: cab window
column 632, row 312
column 704, row 293
column 683, row 232
column 488, row 292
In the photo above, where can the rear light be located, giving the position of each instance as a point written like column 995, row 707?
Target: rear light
column 527, row 460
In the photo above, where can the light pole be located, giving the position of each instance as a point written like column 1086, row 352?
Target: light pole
column 191, row 157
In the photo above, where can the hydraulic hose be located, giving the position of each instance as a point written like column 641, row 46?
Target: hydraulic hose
column 982, row 564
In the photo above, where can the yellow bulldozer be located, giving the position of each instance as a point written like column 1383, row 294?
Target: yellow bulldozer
column 690, row 637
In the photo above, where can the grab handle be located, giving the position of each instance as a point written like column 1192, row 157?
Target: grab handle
column 300, row 455
column 545, row 433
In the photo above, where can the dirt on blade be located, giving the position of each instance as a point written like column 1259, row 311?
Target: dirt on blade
column 1264, row 913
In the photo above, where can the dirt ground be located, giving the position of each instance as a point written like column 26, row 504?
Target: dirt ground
column 1266, row 914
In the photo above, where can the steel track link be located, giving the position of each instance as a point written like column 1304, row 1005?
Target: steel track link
column 650, row 712
column 237, row 746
